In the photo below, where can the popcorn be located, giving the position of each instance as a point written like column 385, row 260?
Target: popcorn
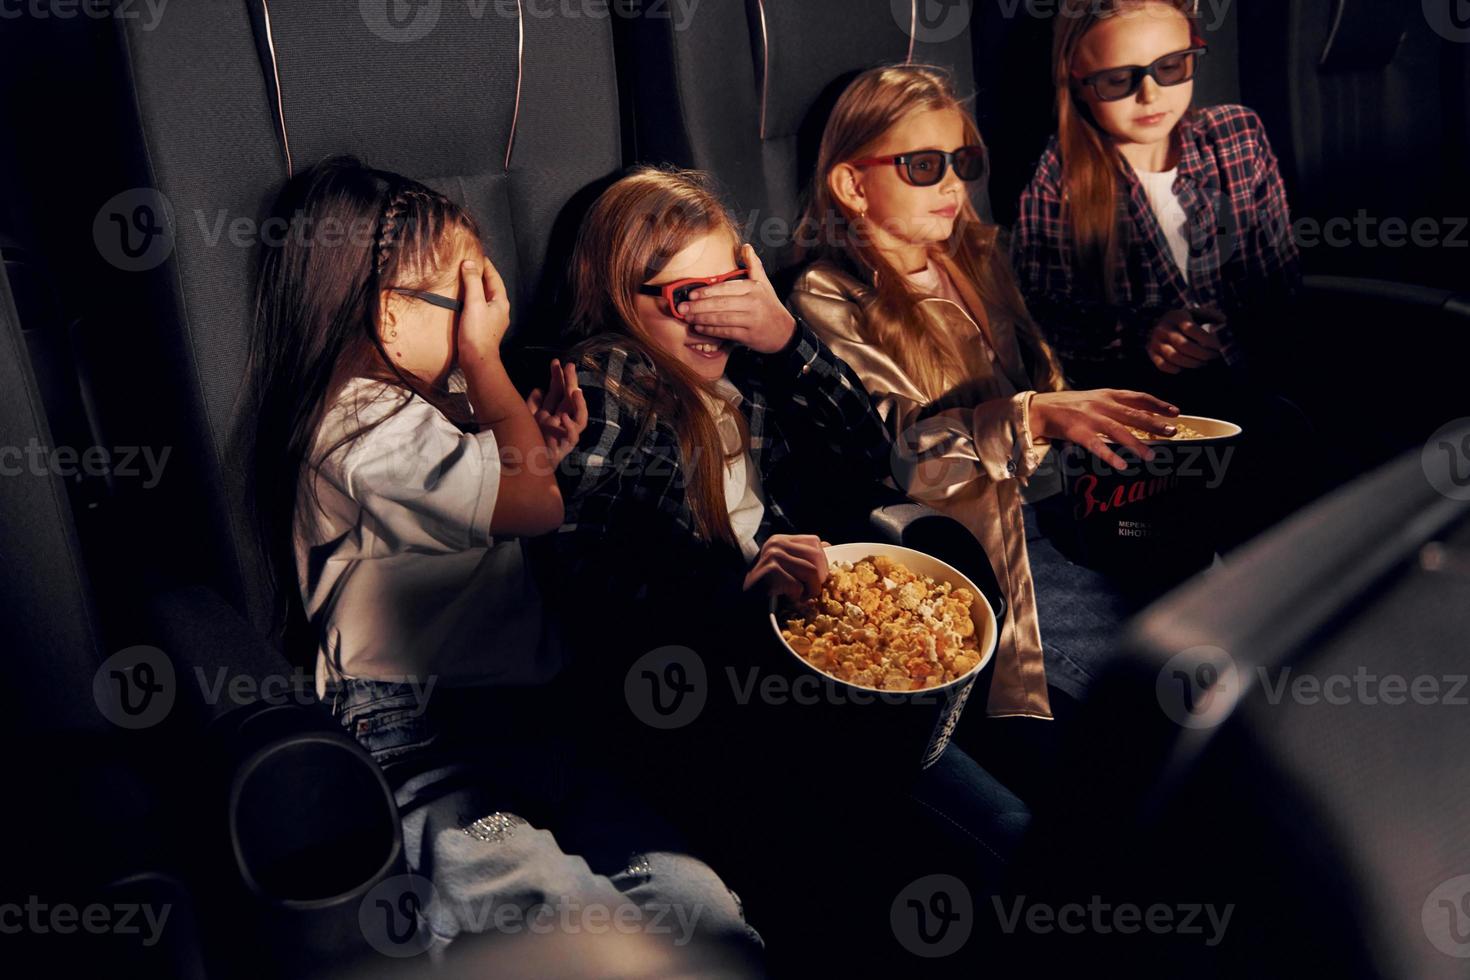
column 877, row 624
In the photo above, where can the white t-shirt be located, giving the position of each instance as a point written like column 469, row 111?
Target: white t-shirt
column 1170, row 214
column 743, row 494
column 398, row 572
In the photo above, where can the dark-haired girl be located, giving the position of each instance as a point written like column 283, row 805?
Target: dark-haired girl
column 396, row 471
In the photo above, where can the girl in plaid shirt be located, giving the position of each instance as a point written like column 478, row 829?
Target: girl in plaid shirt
column 1154, row 244
column 708, row 403
column 1150, row 229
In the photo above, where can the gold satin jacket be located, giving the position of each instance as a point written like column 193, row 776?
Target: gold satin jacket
column 967, row 454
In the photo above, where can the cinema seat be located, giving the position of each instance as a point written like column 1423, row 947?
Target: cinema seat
column 743, row 89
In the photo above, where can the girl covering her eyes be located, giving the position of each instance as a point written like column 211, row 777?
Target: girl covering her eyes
column 397, row 470
column 713, row 416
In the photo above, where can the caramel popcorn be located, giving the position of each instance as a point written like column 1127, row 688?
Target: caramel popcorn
column 1185, row 432
column 879, row 625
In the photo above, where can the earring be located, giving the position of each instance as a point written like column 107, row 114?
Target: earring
column 393, row 334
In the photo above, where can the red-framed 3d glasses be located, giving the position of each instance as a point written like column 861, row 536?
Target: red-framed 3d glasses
column 925, row 168
column 1115, row 84
column 678, row 291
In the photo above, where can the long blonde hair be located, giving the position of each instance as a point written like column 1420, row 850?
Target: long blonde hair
column 1090, row 161
column 875, row 102
column 631, row 233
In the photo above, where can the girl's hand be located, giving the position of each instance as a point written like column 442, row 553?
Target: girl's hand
column 1178, row 342
column 746, row 311
column 486, row 317
column 792, row 565
column 561, row 413
column 1093, row 418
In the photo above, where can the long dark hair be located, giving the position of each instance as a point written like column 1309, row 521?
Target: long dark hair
column 342, row 232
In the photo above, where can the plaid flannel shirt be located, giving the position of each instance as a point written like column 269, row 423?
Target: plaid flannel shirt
column 1242, row 255
column 626, row 505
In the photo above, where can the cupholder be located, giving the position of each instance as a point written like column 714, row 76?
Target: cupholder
column 313, row 827
column 309, row 822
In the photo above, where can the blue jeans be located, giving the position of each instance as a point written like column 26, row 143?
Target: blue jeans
column 1081, row 612
column 506, row 825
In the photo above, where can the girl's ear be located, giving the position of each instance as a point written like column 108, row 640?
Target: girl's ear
column 388, row 305
column 845, row 183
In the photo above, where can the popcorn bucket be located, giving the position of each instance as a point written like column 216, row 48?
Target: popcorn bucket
column 904, row 727
column 1153, row 522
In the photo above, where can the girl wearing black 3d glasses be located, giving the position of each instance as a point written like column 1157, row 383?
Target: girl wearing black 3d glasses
column 1154, row 244
column 1151, row 231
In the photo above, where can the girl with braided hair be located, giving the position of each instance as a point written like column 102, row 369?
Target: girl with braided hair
column 397, row 470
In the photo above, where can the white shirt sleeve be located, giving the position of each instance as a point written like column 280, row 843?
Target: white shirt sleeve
column 422, row 485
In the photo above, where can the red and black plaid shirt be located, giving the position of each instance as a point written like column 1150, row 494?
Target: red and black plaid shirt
column 1241, row 253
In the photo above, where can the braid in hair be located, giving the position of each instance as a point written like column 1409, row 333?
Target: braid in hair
column 389, row 226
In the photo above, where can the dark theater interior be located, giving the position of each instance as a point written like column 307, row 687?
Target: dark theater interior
column 735, row 488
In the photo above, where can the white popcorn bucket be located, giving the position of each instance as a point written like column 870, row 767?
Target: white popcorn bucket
column 909, row 726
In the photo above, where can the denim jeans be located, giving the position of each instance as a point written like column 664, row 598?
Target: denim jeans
column 507, row 826
column 1081, row 611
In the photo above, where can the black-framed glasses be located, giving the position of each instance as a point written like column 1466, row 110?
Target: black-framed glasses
column 433, row 299
column 925, row 168
column 1115, row 84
